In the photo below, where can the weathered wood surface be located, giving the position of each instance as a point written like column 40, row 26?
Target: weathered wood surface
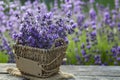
column 80, row 72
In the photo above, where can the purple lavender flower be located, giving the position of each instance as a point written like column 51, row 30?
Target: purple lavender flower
column 93, row 27
column 92, row 13
column 118, row 59
column 118, row 48
column 119, row 25
column 76, row 39
column 42, row 30
column 88, row 46
column 116, row 4
column 92, row 1
column 97, row 59
column 83, row 46
column 86, row 25
column 87, row 57
column 94, row 33
column 15, row 36
column 112, row 24
column 80, row 19
column 33, row 25
column 7, row 48
column 83, row 52
column 113, row 50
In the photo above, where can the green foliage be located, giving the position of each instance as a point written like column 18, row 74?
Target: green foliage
column 3, row 57
column 103, row 45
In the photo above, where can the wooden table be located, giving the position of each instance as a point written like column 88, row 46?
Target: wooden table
column 80, row 72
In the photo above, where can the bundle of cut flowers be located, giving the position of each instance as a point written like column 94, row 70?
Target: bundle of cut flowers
column 41, row 30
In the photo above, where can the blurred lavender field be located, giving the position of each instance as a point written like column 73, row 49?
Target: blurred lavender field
column 96, row 39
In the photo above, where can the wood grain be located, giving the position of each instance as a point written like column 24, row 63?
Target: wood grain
column 80, row 72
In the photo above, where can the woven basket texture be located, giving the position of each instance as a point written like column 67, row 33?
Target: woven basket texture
column 39, row 62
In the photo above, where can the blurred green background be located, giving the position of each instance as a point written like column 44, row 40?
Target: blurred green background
column 48, row 2
column 110, row 3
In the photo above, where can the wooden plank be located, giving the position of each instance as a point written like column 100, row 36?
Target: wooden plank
column 74, row 68
column 80, row 72
column 97, row 78
column 93, row 70
column 9, row 77
column 4, row 66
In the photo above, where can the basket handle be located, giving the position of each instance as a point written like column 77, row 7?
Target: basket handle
column 59, row 40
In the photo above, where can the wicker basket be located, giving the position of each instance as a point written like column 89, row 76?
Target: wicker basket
column 39, row 62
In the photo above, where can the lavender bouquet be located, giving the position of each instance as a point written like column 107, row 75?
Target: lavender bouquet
column 41, row 41
column 41, row 30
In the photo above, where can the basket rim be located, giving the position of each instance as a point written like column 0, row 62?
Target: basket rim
column 39, row 49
